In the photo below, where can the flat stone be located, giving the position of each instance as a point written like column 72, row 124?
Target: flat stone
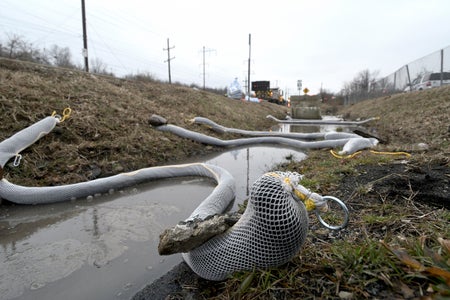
column 186, row 236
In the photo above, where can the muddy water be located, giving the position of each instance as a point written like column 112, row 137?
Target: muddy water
column 106, row 247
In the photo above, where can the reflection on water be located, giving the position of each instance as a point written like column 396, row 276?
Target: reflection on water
column 105, row 247
column 308, row 128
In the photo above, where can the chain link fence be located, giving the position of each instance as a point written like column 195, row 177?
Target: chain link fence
column 435, row 67
column 404, row 79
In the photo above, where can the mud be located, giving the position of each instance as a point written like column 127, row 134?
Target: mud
column 179, row 283
column 428, row 184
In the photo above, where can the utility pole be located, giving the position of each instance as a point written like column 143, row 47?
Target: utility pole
column 85, row 48
column 204, row 73
column 168, row 58
column 245, row 84
column 249, row 57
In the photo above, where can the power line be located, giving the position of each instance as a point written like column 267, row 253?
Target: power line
column 58, row 27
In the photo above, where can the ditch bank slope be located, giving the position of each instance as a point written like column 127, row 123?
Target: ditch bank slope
column 108, row 131
column 417, row 123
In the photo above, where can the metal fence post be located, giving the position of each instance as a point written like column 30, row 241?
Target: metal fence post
column 409, row 78
column 442, row 67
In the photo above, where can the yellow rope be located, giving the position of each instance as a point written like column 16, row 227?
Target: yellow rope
column 309, row 203
column 372, row 151
column 391, row 153
column 66, row 114
column 342, row 156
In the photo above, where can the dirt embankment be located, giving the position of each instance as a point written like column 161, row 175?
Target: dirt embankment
column 108, row 131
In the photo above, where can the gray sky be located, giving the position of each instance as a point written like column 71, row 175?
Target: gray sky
column 321, row 42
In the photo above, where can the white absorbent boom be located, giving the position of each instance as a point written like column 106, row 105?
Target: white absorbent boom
column 270, row 233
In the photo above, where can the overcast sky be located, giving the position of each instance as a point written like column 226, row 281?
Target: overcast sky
column 323, row 43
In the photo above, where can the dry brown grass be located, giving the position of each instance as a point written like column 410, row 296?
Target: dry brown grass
column 108, row 130
column 409, row 119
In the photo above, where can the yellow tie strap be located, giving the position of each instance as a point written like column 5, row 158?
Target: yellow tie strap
column 309, row 203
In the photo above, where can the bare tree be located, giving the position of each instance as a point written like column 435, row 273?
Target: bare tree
column 12, row 45
column 18, row 48
column 365, row 79
column 2, row 50
column 60, row 57
column 99, row 67
column 358, row 89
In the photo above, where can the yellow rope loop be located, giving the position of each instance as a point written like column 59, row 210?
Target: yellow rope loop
column 66, row 114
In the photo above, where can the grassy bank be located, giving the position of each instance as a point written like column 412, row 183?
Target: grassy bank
column 108, row 131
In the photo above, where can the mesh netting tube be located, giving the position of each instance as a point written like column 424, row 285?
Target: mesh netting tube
column 222, row 129
column 350, row 142
column 51, row 194
column 216, row 202
column 321, row 122
column 209, row 140
column 270, row 233
column 292, row 135
column 15, row 144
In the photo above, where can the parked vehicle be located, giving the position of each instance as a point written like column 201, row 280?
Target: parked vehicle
column 263, row 90
column 428, row 81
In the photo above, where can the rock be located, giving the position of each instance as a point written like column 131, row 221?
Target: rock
column 156, row 120
column 345, row 295
column 422, row 146
column 186, row 236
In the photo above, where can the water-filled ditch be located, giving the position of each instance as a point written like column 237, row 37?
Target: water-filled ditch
column 106, row 247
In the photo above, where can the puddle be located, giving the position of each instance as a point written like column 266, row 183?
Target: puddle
column 308, row 128
column 106, row 247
